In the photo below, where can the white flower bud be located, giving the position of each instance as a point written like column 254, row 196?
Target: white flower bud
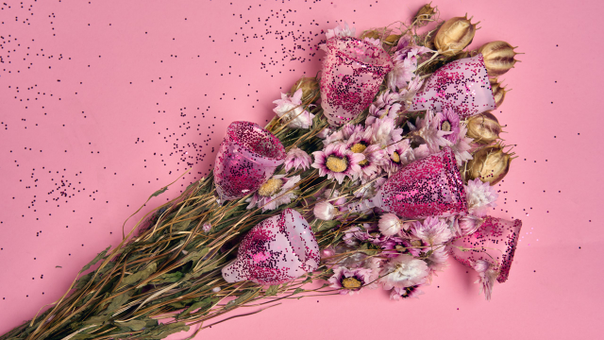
column 389, row 224
column 324, row 211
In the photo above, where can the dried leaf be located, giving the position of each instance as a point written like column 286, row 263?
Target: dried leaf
column 203, row 304
column 134, row 325
column 159, row 192
column 239, row 300
column 272, row 290
column 171, row 277
column 118, row 301
column 162, row 331
column 98, row 257
column 141, row 275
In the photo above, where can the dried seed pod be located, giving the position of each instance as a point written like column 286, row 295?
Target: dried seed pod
column 373, row 34
column 424, row 15
column 309, row 86
column 490, row 164
column 498, row 57
column 392, row 40
column 454, row 35
column 498, row 92
column 483, row 128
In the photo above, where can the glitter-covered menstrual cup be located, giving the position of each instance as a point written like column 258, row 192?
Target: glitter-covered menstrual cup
column 428, row 187
column 494, row 242
column 246, row 159
column 277, row 250
column 352, row 73
column 461, row 85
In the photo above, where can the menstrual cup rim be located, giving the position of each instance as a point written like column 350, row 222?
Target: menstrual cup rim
column 383, row 55
column 253, row 154
column 504, row 272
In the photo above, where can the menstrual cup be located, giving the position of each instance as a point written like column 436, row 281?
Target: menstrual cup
column 352, row 73
column 276, row 250
column 429, row 187
column 494, row 243
column 461, row 85
column 246, row 159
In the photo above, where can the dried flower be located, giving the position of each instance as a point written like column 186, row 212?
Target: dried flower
column 433, row 231
column 389, row 224
column 448, row 121
column 490, row 164
column 483, row 128
column 467, row 224
column 480, row 196
column 392, row 39
column 424, row 14
column 373, row 34
column 290, row 108
column 324, row 211
column 337, row 162
column 405, row 293
column 498, row 92
column 341, row 32
column 454, row 35
column 404, row 271
column 349, row 280
column 498, row 57
column 297, row 159
column 309, row 86
column 274, row 193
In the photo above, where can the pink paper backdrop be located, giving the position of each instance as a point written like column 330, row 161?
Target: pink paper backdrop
column 104, row 102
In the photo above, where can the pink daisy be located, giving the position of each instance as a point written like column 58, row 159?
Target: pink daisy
column 399, row 155
column 448, row 120
column 337, row 162
column 274, row 193
column 349, row 281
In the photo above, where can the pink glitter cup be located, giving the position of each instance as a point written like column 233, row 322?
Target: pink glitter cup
column 246, row 159
column 277, row 250
column 494, row 243
column 461, row 85
column 352, row 73
column 430, row 187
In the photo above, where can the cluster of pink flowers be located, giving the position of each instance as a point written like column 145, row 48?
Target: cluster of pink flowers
column 396, row 254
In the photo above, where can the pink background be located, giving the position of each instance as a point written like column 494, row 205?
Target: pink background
column 104, row 102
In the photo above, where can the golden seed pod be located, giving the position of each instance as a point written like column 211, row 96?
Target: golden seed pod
column 454, row 35
column 490, row 164
column 309, row 86
column 425, row 14
column 498, row 92
column 392, row 39
column 373, row 34
column 498, row 57
column 483, row 128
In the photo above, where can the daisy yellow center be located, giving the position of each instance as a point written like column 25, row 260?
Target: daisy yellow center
column 396, row 158
column 358, row 148
column 270, row 187
column 446, row 126
column 336, row 164
column 416, row 243
column 351, row 283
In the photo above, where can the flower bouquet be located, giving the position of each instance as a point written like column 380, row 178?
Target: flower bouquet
column 371, row 175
